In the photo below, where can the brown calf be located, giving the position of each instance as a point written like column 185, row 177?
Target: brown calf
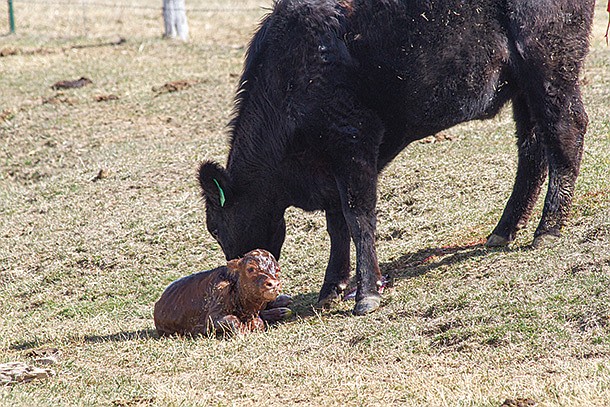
column 226, row 300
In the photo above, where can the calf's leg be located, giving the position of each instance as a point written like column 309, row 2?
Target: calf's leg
column 253, row 325
column 277, row 310
column 228, row 325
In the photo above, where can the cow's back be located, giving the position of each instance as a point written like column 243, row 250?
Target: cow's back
column 422, row 66
column 419, row 66
column 430, row 65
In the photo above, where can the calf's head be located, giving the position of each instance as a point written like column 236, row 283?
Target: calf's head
column 240, row 218
column 258, row 275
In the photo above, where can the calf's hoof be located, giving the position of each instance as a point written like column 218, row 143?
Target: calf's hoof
column 367, row 305
column 496, row 241
column 282, row 300
column 545, row 241
column 277, row 314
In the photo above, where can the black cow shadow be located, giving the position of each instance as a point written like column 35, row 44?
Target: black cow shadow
column 409, row 265
column 423, row 261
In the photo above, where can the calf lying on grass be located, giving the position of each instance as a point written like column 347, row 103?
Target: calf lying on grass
column 226, row 300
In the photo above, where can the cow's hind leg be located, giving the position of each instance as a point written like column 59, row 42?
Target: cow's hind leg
column 338, row 270
column 531, row 172
column 550, row 44
column 564, row 145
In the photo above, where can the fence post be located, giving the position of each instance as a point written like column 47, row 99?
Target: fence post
column 11, row 17
column 174, row 18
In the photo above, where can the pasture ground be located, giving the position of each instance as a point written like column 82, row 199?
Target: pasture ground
column 100, row 211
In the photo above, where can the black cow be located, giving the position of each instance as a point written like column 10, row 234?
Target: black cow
column 332, row 91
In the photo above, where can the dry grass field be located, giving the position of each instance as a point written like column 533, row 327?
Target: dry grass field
column 100, row 210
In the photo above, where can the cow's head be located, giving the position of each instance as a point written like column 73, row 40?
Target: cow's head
column 240, row 218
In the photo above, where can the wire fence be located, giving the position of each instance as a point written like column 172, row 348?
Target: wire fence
column 102, row 18
column 114, row 5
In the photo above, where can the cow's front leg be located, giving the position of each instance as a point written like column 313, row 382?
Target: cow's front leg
column 338, row 269
column 358, row 191
column 359, row 211
column 353, row 140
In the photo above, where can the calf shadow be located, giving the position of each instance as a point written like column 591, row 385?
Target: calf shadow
column 145, row 334
column 124, row 336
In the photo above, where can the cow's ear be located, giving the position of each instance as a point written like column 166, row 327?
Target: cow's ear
column 215, row 183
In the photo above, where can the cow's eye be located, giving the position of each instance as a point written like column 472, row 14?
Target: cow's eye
column 214, row 233
column 251, row 270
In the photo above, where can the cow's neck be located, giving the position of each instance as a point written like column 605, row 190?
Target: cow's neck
column 258, row 143
column 255, row 176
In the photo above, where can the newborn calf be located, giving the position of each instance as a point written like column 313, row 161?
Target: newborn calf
column 226, row 300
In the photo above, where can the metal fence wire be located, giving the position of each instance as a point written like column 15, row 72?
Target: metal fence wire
column 61, row 18
column 132, row 6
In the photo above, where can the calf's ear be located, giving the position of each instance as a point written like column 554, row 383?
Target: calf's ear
column 234, row 265
column 215, row 183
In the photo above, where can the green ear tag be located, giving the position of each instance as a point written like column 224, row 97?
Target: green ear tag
column 222, row 193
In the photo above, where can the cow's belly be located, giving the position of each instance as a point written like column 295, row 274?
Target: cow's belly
column 410, row 113
column 431, row 65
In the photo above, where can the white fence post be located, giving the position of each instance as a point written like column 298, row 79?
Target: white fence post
column 174, row 17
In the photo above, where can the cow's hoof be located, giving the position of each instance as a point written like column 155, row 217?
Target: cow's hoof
column 545, row 241
column 367, row 305
column 327, row 302
column 329, row 296
column 496, row 241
